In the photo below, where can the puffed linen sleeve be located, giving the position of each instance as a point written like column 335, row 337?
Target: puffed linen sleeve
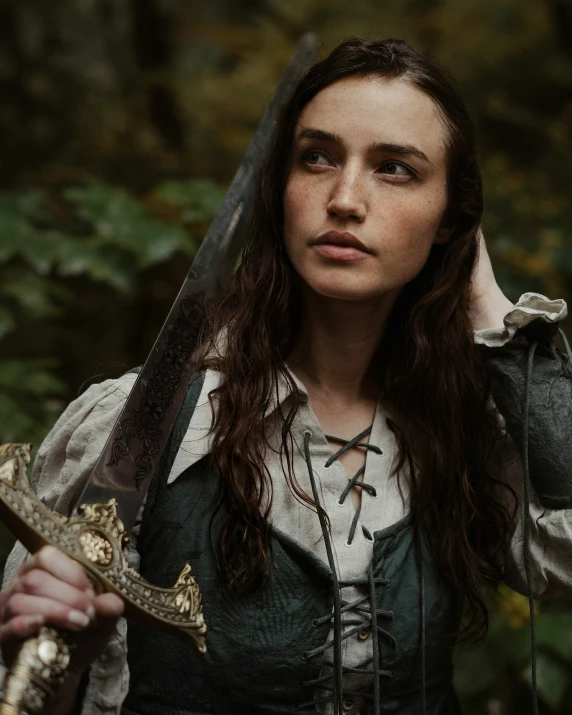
column 61, row 468
column 532, row 390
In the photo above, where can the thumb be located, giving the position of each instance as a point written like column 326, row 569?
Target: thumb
column 108, row 608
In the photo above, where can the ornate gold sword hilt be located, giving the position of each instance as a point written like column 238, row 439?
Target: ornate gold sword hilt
column 95, row 541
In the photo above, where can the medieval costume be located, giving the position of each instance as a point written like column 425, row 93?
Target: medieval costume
column 371, row 575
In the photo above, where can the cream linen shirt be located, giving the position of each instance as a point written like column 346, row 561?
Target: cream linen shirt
column 68, row 454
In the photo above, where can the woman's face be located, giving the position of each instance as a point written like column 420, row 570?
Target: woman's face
column 367, row 188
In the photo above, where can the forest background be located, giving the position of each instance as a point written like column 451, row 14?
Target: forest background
column 122, row 123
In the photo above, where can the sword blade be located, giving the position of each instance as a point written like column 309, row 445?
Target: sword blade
column 133, row 450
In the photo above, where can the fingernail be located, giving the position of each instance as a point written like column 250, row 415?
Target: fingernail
column 77, row 618
column 90, row 612
column 90, row 593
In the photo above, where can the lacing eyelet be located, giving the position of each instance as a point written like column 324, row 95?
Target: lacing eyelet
column 349, row 544
column 305, row 655
column 315, row 622
column 308, row 433
column 340, row 503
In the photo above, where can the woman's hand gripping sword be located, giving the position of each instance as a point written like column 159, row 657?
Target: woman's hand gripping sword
column 96, row 542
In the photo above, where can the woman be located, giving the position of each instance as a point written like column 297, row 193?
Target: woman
column 339, row 476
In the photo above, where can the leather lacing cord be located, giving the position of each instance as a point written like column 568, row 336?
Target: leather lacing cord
column 371, row 580
column 526, row 527
column 419, row 550
column 341, row 607
column 353, row 482
column 526, row 518
column 422, row 607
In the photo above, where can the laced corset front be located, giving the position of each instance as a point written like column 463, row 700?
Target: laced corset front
column 351, row 674
column 347, row 688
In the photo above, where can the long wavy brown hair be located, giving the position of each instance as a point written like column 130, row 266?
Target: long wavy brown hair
column 434, row 383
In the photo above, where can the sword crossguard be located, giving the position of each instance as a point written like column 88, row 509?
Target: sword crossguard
column 96, row 541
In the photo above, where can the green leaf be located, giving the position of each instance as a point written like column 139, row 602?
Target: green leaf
column 27, row 420
column 201, row 197
column 36, row 296
column 120, row 220
column 43, row 248
column 33, row 204
column 104, row 206
column 474, row 671
column 7, row 322
column 30, row 377
column 15, row 232
column 512, row 643
column 18, row 237
column 554, row 633
column 30, row 399
column 152, row 241
column 102, row 263
column 552, row 680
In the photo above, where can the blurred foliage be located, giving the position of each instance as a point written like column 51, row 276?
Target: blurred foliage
column 113, row 114
column 100, row 233
column 499, row 672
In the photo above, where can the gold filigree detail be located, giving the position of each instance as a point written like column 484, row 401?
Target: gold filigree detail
column 8, row 471
column 95, row 540
column 106, row 517
column 189, row 596
column 48, row 652
column 96, row 547
column 13, row 460
column 38, row 671
column 21, row 451
column 186, row 577
column 178, row 608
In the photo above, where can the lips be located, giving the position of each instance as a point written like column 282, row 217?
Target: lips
column 342, row 239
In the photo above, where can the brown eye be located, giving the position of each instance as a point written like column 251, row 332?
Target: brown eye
column 395, row 168
column 313, row 157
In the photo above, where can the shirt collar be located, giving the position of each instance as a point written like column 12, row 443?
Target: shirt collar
column 198, row 438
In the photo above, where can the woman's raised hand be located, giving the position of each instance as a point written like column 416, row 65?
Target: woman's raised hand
column 52, row 589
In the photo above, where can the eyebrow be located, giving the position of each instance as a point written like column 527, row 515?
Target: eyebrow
column 378, row 147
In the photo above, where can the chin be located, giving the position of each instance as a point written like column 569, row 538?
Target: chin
column 351, row 291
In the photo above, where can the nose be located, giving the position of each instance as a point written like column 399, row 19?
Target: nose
column 347, row 199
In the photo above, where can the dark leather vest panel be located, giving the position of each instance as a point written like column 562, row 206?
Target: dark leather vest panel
column 255, row 659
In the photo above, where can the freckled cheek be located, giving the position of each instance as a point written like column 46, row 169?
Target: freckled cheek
column 409, row 239
column 418, row 221
column 297, row 211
